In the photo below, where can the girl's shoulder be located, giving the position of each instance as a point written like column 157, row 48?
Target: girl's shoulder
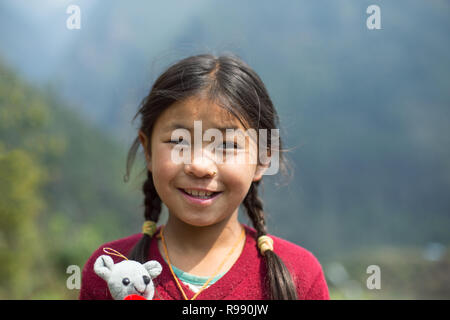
column 290, row 252
column 305, row 268
column 295, row 253
column 92, row 286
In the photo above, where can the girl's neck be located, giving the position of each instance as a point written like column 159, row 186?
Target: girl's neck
column 188, row 238
column 199, row 250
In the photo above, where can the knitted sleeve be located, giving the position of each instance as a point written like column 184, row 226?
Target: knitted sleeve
column 305, row 270
column 318, row 289
column 313, row 285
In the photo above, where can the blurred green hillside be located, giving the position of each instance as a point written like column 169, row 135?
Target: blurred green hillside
column 405, row 273
column 61, row 191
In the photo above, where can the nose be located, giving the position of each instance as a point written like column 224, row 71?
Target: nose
column 201, row 167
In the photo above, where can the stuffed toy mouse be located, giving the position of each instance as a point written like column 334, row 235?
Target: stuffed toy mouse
column 128, row 279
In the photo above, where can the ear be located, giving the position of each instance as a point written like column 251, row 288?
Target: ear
column 103, row 266
column 145, row 143
column 153, row 267
column 259, row 171
column 262, row 167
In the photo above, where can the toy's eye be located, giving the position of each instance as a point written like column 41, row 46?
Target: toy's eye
column 146, row 279
column 126, row 281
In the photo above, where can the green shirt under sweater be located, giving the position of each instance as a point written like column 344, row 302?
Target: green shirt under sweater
column 192, row 281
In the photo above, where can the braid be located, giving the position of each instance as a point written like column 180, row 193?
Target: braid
column 279, row 279
column 254, row 206
column 152, row 201
column 152, row 211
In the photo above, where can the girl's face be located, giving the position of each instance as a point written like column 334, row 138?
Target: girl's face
column 205, row 171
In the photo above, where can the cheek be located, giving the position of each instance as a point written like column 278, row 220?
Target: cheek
column 237, row 178
column 163, row 168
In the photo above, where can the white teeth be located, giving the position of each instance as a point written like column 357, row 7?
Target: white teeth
column 200, row 194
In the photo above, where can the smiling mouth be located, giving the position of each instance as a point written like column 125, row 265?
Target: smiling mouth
column 200, row 195
column 200, row 200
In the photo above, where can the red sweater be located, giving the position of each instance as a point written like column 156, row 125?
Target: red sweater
column 244, row 281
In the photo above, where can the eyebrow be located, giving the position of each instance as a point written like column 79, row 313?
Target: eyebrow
column 175, row 126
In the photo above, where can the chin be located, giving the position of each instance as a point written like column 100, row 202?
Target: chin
column 200, row 221
column 197, row 223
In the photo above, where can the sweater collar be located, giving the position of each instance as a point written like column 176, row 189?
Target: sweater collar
column 220, row 289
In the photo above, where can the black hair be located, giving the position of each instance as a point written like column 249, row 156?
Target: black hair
column 229, row 82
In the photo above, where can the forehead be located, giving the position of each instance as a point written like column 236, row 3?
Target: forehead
column 182, row 114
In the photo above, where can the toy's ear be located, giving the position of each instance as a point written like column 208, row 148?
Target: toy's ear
column 103, row 266
column 153, row 267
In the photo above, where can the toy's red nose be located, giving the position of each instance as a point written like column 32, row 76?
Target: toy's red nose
column 134, row 297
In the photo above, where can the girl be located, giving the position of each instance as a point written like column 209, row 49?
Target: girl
column 205, row 252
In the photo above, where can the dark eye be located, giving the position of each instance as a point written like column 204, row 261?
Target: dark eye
column 146, row 279
column 126, row 281
column 180, row 141
column 230, row 145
